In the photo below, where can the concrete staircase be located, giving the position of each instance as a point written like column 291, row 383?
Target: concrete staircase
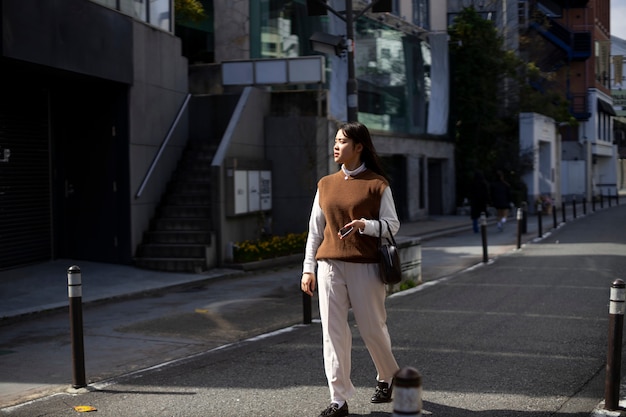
column 180, row 233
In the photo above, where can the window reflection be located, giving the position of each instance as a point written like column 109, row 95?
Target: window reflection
column 392, row 67
column 155, row 12
column 391, row 74
column 160, row 14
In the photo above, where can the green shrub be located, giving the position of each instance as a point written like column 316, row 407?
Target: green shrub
column 258, row 250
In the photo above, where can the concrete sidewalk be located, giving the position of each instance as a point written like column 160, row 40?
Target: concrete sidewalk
column 43, row 287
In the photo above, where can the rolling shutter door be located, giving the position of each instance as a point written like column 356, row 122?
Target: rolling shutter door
column 25, row 223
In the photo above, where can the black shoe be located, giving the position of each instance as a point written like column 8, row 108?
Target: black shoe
column 334, row 410
column 382, row 393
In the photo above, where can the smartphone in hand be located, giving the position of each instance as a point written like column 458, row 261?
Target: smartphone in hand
column 345, row 231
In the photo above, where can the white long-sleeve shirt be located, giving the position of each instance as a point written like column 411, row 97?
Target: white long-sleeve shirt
column 317, row 222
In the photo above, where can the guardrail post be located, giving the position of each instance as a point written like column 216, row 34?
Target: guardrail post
column 614, row 353
column 574, row 206
column 519, row 227
column 407, row 400
column 75, row 295
column 483, row 232
column 563, row 209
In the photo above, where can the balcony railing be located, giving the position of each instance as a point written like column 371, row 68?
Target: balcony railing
column 576, row 44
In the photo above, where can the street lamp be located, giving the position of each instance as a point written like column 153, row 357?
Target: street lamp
column 320, row 7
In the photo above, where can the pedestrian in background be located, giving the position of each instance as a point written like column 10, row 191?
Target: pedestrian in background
column 348, row 211
column 501, row 195
column 479, row 198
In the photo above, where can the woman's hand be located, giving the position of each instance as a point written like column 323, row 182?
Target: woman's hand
column 355, row 224
column 307, row 284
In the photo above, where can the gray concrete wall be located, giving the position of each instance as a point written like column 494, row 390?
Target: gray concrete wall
column 293, row 145
column 158, row 90
column 242, row 146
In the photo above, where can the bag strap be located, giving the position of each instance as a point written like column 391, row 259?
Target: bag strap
column 390, row 239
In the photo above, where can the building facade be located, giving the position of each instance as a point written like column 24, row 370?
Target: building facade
column 99, row 121
column 571, row 44
column 88, row 94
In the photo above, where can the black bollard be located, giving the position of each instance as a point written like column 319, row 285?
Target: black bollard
column 519, row 227
column 75, row 294
column 608, row 197
column 483, row 232
column 574, row 207
column 554, row 221
column 307, row 316
column 593, row 203
column 601, row 200
column 407, row 384
column 584, row 205
column 563, row 208
column 539, row 225
column 614, row 353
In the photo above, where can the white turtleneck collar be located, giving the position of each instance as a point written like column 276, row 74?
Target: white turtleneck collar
column 353, row 173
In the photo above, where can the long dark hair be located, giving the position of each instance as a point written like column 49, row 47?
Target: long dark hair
column 360, row 134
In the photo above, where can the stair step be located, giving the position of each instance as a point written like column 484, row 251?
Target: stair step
column 182, row 237
column 172, row 264
column 181, row 224
column 181, row 231
column 179, row 199
column 166, row 250
column 178, row 211
column 190, row 187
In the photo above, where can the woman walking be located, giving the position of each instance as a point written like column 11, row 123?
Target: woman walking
column 349, row 209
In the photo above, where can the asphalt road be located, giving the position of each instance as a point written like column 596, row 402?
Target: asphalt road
column 523, row 336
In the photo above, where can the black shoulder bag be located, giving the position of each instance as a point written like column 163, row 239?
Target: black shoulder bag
column 390, row 267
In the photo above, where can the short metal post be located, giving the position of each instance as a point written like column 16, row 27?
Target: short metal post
column 483, row 232
column 563, row 209
column 584, row 205
column 601, row 200
column 614, row 358
column 539, row 225
column 608, row 197
column 574, row 206
column 75, row 294
column 407, row 400
column 306, row 308
column 519, row 227
column 554, row 220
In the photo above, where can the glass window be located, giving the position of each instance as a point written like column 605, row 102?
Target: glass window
column 391, row 75
column 421, row 14
column 160, row 14
column 284, row 29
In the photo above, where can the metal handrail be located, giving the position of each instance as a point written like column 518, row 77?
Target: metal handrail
column 162, row 147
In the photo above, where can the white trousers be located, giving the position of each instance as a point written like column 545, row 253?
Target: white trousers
column 345, row 285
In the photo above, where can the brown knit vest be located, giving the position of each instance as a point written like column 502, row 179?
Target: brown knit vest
column 344, row 200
